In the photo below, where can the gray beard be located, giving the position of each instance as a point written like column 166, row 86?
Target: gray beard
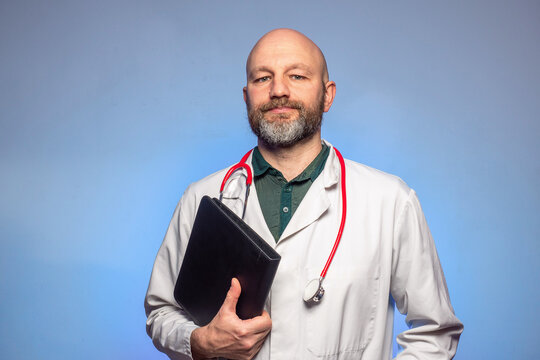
column 287, row 132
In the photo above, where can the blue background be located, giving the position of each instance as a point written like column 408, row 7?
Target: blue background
column 109, row 109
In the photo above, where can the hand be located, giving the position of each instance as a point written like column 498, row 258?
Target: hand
column 227, row 335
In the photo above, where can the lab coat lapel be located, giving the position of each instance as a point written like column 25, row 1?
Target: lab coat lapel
column 316, row 200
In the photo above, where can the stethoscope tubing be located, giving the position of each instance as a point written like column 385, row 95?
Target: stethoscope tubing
column 249, row 179
column 243, row 165
column 343, row 214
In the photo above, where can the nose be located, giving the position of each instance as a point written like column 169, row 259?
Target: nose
column 279, row 88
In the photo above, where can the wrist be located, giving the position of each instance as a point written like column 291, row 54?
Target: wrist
column 198, row 342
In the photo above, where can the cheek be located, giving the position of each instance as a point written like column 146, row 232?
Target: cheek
column 307, row 92
column 258, row 91
column 255, row 99
column 310, row 98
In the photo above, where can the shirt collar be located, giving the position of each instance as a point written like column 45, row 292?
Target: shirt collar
column 261, row 166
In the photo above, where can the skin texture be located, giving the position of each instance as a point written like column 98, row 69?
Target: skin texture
column 285, row 64
column 284, row 67
column 227, row 335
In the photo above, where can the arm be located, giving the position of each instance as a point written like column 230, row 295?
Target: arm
column 171, row 329
column 419, row 289
column 167, row 324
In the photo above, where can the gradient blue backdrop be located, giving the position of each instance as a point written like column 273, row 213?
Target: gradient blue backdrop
column 109, row 109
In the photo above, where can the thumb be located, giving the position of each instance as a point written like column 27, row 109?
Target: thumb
column 232, row 296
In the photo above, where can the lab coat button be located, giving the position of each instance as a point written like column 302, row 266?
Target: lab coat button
column 285, row 209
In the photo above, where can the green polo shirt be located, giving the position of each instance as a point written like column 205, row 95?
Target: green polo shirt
column 278, row 198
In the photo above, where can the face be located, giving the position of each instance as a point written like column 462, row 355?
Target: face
column 286, row 94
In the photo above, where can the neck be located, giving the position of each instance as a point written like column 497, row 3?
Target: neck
column 291, row 161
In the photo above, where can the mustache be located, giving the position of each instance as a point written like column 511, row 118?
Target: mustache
column 281, row 102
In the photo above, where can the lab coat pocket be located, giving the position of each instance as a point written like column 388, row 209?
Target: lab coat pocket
column 341, row 325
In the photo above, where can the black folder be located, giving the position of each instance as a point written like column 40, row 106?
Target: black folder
column 223, row 246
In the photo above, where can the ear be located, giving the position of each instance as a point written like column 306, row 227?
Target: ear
column 329, row 94
column 245, row 94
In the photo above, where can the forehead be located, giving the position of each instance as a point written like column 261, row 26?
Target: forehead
column 279, row 52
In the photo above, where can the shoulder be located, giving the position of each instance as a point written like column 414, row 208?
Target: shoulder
column 375, row 187
column 208, row 185
column 374, row 179
column 382, row 194
column 365, row 179
column 211, row 184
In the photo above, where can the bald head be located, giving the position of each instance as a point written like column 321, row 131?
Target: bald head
column 287, row 88
column 286, row 43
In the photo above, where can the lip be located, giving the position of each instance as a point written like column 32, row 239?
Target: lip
column 280, row 110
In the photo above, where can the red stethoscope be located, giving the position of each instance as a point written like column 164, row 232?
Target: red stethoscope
column 313, row 291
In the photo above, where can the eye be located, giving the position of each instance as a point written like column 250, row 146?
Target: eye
column 297, row 77
column 262, row 79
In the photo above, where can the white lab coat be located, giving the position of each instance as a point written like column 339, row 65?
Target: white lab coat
column 386, row 253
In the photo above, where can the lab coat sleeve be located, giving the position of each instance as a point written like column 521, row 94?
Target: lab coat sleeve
column 167, row 324
column 419, row 289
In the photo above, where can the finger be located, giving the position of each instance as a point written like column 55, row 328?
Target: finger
column 258, row 345
column 232, row 296
column 259, row 324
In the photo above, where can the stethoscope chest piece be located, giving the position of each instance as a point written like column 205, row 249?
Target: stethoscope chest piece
column 313, row 291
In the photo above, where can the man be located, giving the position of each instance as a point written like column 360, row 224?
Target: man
column 386, row 253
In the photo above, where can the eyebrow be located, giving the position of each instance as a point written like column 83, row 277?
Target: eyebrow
column 288, row 68
column 258, row 69
column 300, row 66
